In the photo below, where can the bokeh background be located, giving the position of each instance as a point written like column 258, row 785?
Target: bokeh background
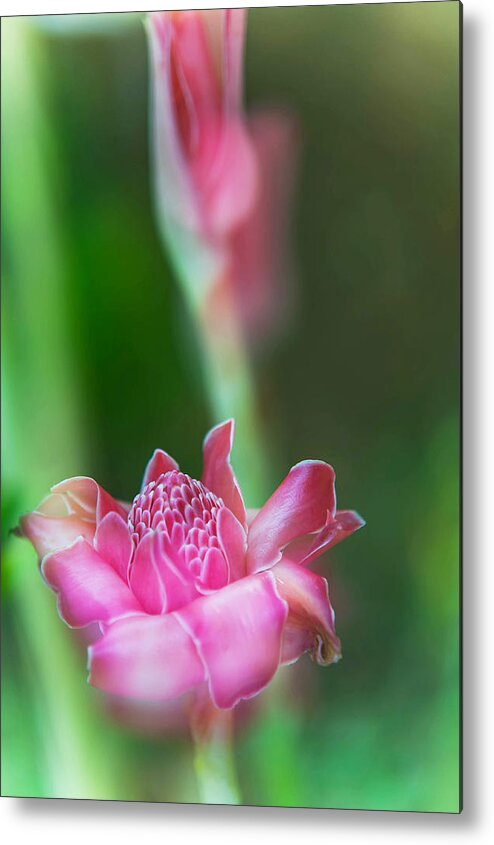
column 100, row 367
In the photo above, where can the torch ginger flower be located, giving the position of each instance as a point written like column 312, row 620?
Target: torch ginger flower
column 191, row 591
column 221, row 182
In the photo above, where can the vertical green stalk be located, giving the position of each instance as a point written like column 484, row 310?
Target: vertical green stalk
column 43, row 411
column 76, row 762
column 224, row 358
column 231, row 388
column 214, row 763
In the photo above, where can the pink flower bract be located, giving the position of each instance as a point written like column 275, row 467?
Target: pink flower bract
column 189, row 589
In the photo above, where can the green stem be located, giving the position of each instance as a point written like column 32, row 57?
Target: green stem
column 231, row 388
column 207, row 287
column 214, row 764
column 45, row 420
column 77, row 750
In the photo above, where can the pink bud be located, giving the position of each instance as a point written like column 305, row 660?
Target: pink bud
column 222, row 183
column 206, row 168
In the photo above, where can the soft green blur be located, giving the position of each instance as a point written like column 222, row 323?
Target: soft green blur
column 99, row 367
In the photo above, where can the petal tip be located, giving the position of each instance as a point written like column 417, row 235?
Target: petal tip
column 314, row 463
column 351, row 520
column 228, row 424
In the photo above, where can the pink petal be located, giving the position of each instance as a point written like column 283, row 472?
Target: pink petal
column 145, row 579
column 57, row 505
column 226, row 174
column 195, row 81
column 310, row 547
column 158, row 580
column 146, row 657
column 89, row 589
column 215, row 572
column 114, row 543
column 47, row 533
column 159, row 463
column 218, row 475
column 90, row 500
column 299, row 506
column 233, row 542
column 310, row 623
column 237, row 632
column 179, row 585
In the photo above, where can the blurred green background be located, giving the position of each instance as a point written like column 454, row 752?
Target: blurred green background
column 99, row 368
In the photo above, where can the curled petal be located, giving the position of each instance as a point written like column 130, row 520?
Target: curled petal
column 310, row 547
column 114, row 543
column 237, row 632
column 159, row 463
column 57, row 506
column 146, row 657
column 310, row 623
column 88, row 498
column 89, row 589
column 218, row 475
column 48, row 533
column 299, row 506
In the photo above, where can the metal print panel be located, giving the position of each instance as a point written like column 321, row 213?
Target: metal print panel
column 231, row 287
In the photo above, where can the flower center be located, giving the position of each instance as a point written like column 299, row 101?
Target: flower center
column 180, row 508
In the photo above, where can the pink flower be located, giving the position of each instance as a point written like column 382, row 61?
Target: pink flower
column 191, row 591
column 221, row 182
